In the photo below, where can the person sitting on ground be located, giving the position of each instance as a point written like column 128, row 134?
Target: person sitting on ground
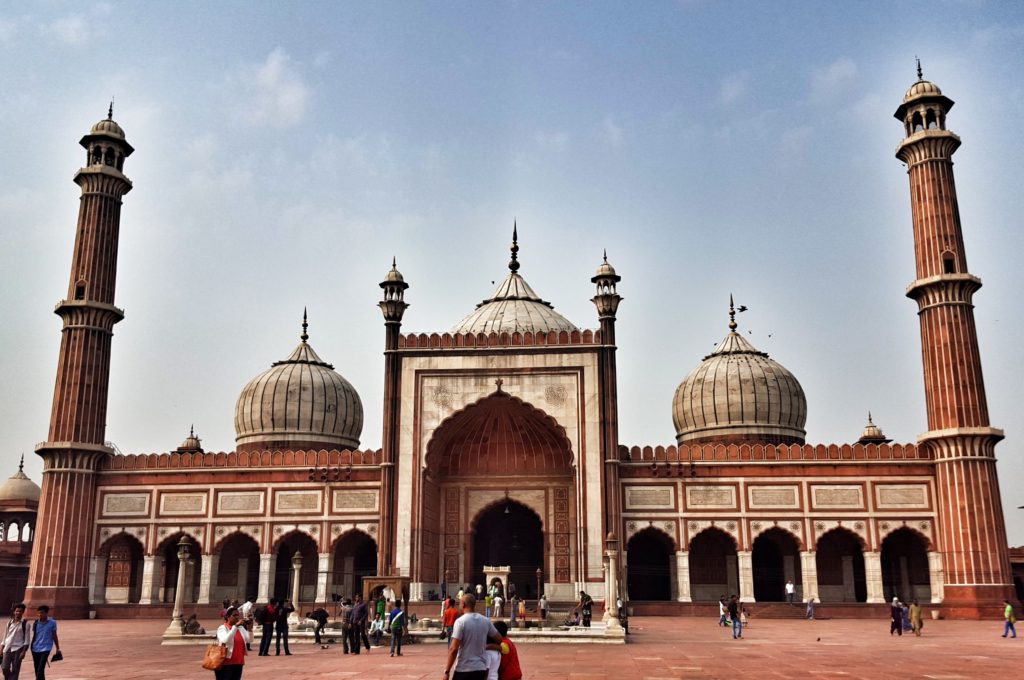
column 509, row 668
column 192, row 626
column 574, row 619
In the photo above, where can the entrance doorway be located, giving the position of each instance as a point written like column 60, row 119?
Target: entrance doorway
column 509, row 533
column 648, row 557
column 905, row 566
column 776, row 559
column 714, row 572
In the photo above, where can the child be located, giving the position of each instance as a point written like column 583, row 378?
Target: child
column 509, row 668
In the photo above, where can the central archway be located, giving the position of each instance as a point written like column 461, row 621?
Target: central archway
column 509, row 533
column 648, row 561
column 775, row 560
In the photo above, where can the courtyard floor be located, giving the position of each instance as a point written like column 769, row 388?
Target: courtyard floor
column 658, row 648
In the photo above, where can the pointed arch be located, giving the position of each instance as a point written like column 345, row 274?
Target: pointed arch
column 839, row 560
column 649, row 556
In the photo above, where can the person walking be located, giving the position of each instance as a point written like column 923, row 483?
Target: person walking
column 448, row 621
column 16, row 642
column 265, row 616
column 281, row 626
column 916, row 620
column 247, row 618
column 896, row 617
column 1008, row 615
column 397, row 625
column 44, row 638
column 360, row 618
column 790, row 591
column 734, row 614
column 467, row 657
column 509, row 668
column 723, row 613
column 810, row 608
column 346, row 626
column 496, row 606
column 235, row 637
column 542, row 607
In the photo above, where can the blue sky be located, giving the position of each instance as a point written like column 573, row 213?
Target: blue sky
column 285, row 152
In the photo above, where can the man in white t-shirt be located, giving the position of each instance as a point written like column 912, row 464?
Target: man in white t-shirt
column 790, row 591
column 467, row 657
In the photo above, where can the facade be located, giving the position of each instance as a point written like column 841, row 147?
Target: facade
column 501, row 447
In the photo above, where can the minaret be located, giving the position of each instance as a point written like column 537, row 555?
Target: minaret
column 72, row 453
column 393, row 307
column 972, row 535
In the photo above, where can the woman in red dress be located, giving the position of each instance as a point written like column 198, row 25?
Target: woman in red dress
column 235, row 637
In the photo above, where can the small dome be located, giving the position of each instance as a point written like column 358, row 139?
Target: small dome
column 300, row 402
column 107, row 127
column 921, row 88
column 605, row 271
column 872, row 434
column 192, row 443
column 739, row 394
column 514, row 306
column 19, row 487
column 393, row 276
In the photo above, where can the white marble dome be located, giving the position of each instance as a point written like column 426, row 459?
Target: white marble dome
column 514, row 306
column 920, row 88
column 300, row 402
column 739, row 394
column 19, row 487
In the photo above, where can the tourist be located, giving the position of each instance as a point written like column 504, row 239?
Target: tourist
column 479, row 592
column 397, row 625
column 462, row 591
column 376, row 629
column 360, row 617
column 542, row 607
column 734, row 616
column 192, row 627
column 319, row 615
column 448, row 620
column 810, row 608
column 488, row 601
column 513, row 607
column 496, row 606
column 15, row 644
column 467, row 657
column 916, row 621
column 621, row 609
column 235, row 637
column 281, row 626
column 382, row 606
column 265, row 616
column 509, row 668
column 722, row 613
column 44, row 638
column 896, row 617
column 225, row 604
column 586, row 608
column 905, row 612
column 346, row 624
column 247, row 618
column 1008, row 615
column 790, row 591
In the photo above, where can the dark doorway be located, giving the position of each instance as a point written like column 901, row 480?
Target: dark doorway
column 713, row 568
column 283, row 571
column 840, row 562
column 169, row 551
column 509, row 534
column 355, row 558
column 238, row 569
column 905, row 566
column 773, row 551
column 648, row 556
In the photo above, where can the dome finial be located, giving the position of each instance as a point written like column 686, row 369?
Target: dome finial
column 870, row 422
column 305, row 325
column 192, row 430
column 920, row 73
column 110, row 109
column 732, row 315
column 606, row 256
column 21, row 465
column 513, row 264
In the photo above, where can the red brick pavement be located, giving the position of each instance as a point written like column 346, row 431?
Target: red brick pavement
column 659, row 648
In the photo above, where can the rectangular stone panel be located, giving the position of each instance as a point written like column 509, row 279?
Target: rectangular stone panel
column 650, row 498
column 126, row 505
column 183, row 504
column 240, row 502
column 837, row 496
column 901, row 496
column 710, row 497
column 355, row 500
column 773, row 497
column 298, row 501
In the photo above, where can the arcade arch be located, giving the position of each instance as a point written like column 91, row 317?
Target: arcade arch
column 122, row 554
column 353, row 558
column 238, row 568
column 840, row 564
column 508, row 533
column 168, row 554
column 775, row 559
column 905, row 566
column 284, row 551
column 648, row 565
column 714, row 570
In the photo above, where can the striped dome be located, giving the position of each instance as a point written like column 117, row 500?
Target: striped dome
column 514, row 306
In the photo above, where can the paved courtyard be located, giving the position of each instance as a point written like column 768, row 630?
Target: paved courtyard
column 659, row 648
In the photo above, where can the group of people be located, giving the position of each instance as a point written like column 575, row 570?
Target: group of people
column 732, row 615
column 22, row 636
column 477, row 648
column 905, row 617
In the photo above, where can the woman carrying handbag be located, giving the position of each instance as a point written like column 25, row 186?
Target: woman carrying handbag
column 233, row 638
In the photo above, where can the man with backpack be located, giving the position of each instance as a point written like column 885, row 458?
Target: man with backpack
column 15, row 644
column 265, row 617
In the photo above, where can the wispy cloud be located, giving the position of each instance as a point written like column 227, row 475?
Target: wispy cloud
column 70, row 30
column 733, row 88
column 611, row 131
column 832, row 80
column 275, row 93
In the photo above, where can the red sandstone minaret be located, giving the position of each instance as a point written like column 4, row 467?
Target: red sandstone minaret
column 75, row 447
column 972, row 535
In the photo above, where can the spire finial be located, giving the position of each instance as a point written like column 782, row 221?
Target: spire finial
column 870, row 422
column 110, row 109
column 21, row 465
column 394, row 262
column 513, row 264
column 732, row 315
column 305, row 336
column 192, row 430
column 920, row 73
column 606, row 256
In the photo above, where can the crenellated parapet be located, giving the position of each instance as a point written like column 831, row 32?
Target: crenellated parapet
column 241, row 459
column 417, row 341
column 773, row 453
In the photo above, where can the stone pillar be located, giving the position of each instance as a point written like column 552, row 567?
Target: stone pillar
column 322, row 572
column 873, row 576
column 151, row 574
column 293, row 618
column 849, row 581
column 97, row 580
column 809, row 575
column 682, row 576
column 612, row 594
column 937, row 576
column 176, row 627
column 207, row 571
column 673, row 580
column 625, row 581
column 746, row 568
column 266, row 574
column 732, row 575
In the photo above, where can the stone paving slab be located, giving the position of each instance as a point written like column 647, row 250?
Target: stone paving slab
column 659, row 648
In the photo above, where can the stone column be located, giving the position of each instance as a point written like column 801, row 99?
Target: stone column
column 612, row 594
column 97, row 580
column 323, row 570
column 809, row 575
column 673, row 580
column 873, row 576
column 266, row 574
column 175, row 629
column 207, row 571
column 682, row 576
column 746, row 566
column 937, row 576
column 150, row 580
column 625, row 581
column 293, row 618
column 849, row 580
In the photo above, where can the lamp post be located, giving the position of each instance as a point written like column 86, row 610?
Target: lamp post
column 296, row 591
column 177, row 625
column 540, row 575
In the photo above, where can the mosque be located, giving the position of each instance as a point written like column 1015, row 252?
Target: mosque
column 501, row 448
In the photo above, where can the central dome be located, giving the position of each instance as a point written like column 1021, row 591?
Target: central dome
column 738, row 394
column 514, row 306
column 299, row 403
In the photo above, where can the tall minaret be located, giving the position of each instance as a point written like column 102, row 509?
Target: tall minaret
column 972, row 535
column 59, row 573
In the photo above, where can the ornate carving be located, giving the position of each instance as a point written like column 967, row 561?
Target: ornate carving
column 442, row 397
column 555, row 395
